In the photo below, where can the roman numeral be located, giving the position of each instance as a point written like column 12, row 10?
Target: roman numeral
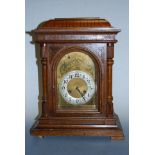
column 62, row 87
column 70, row 76
column 76, row 74
column 77, row 101
column 88, row 80
column 65, row 81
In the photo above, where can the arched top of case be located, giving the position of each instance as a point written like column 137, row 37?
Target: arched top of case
column 75, row 22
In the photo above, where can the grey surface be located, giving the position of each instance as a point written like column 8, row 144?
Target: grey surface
column 117, row 13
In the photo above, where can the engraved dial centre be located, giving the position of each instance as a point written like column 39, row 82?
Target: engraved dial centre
column 77, row 87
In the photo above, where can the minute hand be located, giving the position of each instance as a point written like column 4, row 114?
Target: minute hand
column 77, row 88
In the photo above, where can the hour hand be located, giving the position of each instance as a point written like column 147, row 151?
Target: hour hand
column 77, row 88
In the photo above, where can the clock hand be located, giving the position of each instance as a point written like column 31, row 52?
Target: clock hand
column 77, row 88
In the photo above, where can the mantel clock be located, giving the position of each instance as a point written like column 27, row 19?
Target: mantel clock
column 77, row 58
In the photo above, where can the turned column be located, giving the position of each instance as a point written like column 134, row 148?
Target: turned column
column 110, row 61
column 44, row 79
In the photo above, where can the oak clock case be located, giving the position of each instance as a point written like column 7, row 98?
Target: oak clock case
column 77, row 57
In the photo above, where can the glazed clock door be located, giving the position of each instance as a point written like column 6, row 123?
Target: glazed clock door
column 77, row 81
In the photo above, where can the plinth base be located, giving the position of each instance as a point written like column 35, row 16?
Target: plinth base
column 114, row 131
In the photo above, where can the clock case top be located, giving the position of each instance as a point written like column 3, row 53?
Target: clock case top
column 95, row 37
column 75, row 30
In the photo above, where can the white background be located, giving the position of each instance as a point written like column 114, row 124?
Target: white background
column 141, row 75
column 116, row 12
